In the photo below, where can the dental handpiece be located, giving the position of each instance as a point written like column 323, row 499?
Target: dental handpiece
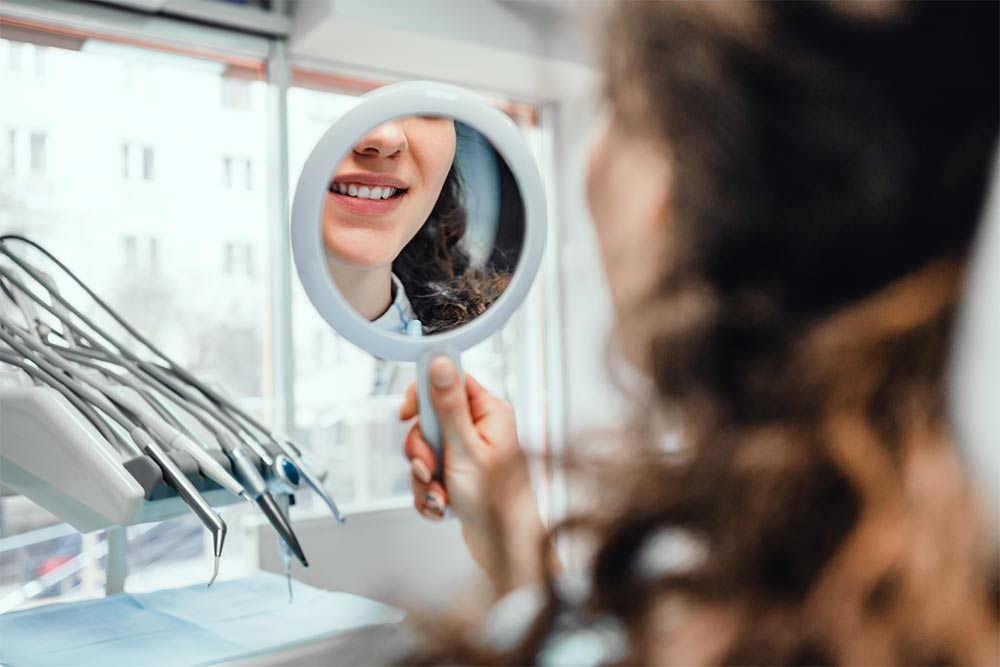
column 312, row 479
column 136, row 365
column 171, row 472
column 304, row 469
column 167, row 433
column 125, row 446
column 151, row 369
column 176, row 478
column 256, row 489
column 151, row 373
column 171, row 436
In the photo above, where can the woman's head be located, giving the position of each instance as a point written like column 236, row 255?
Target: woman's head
column 384, row 191
column 785, row 197
column 790, row 158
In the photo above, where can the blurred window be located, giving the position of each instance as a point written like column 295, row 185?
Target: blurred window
column 237, row 172
column 37, row 152
column 138, row 162
column 152, row 253
column 165, row 128
column 142, row 255
column 11, row 150
column 237, row 259
column 235, row 92
column 147, row 163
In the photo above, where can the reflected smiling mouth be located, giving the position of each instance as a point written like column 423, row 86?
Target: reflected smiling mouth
column 368, row 185
column 367, row 194
column 363, row 191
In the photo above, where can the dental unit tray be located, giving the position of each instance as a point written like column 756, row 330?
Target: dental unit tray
column 57, row 459
column 106, row 430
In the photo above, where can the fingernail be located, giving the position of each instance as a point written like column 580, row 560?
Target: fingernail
column 420, row 470
column 442, row 373
column 434, row 503
column 428, row 513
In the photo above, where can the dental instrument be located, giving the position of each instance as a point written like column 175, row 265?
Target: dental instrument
column 172, row 474
column 226, row 406
column 258, row 491
column 166, row 433
column 256, row 487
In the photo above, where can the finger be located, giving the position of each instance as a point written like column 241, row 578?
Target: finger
column 419, row 453
column 451, row 403
column 481, row 401
column 410, row 407
column 429, row 499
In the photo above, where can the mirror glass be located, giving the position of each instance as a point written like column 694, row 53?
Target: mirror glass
column 422, row 226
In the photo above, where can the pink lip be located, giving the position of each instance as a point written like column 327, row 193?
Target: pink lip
column 370, row 178
column 367, row 206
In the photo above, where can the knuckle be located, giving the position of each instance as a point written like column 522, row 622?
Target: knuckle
column 451, row 401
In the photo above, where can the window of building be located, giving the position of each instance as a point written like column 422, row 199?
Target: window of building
column 141, row 254
column 37, row 153
column 237, row 172
column 235, row 93
column 147, row 163
column 153, row 254
column 138, row 162
column 237, row 259
column 11, row 150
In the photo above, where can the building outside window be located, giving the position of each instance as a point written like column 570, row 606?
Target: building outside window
column 142, row 254
column 237, row 259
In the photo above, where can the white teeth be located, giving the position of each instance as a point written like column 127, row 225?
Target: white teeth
column 364, row 191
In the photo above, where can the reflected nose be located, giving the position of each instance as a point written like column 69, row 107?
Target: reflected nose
column 386, row 140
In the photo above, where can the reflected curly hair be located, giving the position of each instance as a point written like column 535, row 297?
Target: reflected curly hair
column 830, row 162
column 443, row 286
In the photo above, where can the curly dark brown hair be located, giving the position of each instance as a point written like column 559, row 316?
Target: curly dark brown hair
column 830, row 163
column 443, row 286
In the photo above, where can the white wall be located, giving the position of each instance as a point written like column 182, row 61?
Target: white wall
column 507, row 48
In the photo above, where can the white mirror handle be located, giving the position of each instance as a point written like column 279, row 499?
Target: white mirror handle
column 429, row 425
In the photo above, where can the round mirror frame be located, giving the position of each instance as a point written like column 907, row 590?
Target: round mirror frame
column 412, row 98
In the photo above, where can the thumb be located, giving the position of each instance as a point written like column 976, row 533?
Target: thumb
column 451, row 404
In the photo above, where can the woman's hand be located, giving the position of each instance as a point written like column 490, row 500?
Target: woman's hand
column 486, row 480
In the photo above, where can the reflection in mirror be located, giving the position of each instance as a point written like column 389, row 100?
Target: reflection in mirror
column 422, row 226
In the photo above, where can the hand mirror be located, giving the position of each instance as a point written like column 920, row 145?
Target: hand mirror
column 418, row 225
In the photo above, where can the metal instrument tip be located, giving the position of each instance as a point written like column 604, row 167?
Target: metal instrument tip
column 215, row 572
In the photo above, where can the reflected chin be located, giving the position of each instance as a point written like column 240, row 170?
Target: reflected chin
column 359, row 249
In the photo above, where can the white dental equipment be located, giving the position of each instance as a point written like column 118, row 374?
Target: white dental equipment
column 102, row 427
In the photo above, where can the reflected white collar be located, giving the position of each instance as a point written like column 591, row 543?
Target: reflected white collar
column 399, row 317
